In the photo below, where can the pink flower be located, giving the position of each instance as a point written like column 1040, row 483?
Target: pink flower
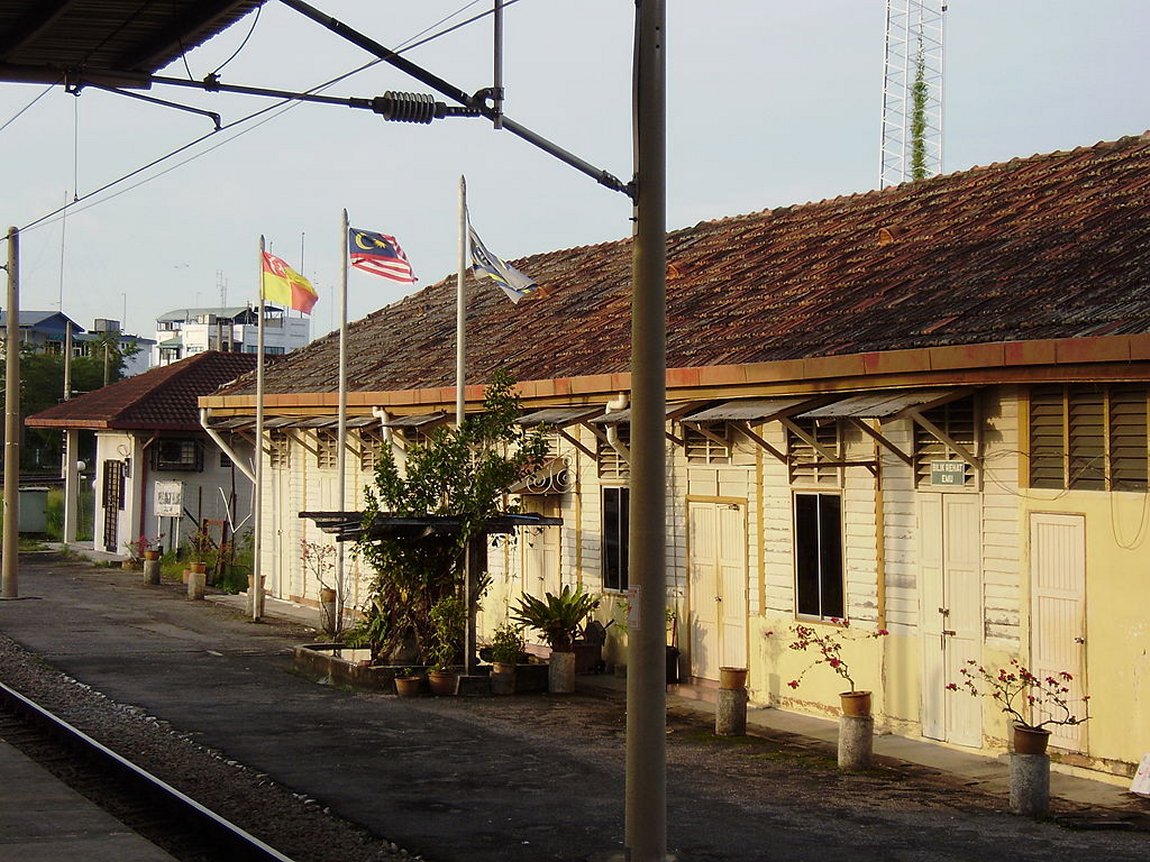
column 794, row 683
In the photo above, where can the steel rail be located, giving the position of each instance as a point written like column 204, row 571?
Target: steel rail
column 235, row 843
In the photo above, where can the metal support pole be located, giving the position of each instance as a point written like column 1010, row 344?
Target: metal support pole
column 71, row 485
column 646, row 789
column 9, row 588
column 255, row 591
column 341, row 432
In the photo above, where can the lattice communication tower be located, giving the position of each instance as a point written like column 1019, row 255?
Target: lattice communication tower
column 912, row 91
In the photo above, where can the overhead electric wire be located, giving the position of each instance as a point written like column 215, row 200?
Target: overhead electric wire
column 20, row 113
column 284, row 104
column 236, row 52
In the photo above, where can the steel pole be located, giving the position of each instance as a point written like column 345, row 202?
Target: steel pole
column 341, row 432
column 255, row 591
column 9, row 588
column 646, row 786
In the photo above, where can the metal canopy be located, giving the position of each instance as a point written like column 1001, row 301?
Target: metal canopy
column 559, row 417
column 349, row 526
column 416, row 420
column 113, row 42
column 753, row 410
column 882, row 405
column 623, row 417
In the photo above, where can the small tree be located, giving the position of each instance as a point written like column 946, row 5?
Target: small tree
column 464, row 472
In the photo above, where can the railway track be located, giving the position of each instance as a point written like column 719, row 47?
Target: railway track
column 148, row 806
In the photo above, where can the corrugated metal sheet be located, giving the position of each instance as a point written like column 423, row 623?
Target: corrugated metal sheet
column 623, row 417
column 418, row 420
column 560, row 417
column 1051, row 246
column 877, row 405
column 748, row 410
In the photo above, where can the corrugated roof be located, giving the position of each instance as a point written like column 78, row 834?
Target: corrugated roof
column 1051, row 246
column 878, row 405
column 560, row 417
column 752, row 410
column 162, row 399
column 105, row 40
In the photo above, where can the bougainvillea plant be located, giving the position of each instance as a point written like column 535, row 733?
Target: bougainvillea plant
column 828, row 644
column 1015, row 688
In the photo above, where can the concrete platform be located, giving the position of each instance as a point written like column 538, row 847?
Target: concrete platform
column 44, row 820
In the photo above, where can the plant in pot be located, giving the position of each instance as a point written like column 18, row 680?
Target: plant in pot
column 827, row 644
column 507, row 646
column 448, row 620
column 558, row 618
column 201, row 547
column 408, row 682
column 1033, row 703
column 319, row 560
column 142, row 549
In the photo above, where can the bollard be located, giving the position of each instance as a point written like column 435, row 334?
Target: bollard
column 327, row 605
column 856, row 741
column 731, row 708
column 197, row 581
column 1030, row 784
column 151, row 572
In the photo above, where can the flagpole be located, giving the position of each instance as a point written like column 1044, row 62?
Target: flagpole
column 341, row 457
column 255, row 591
column 461, row 306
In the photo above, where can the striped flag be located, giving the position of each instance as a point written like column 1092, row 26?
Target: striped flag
column 486, row 265
column 281, row 284
column 379, row 254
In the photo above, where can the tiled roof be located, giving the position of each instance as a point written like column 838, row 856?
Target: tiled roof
column 1051, row 246
column 162, row 399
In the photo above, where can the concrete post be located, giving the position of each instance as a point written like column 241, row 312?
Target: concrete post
column 1030, row 784
column 731, row 712
column 71, row 485
column 197, row 581
column 856, row 741
column 152, row 572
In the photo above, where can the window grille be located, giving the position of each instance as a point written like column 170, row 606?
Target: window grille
column 805, row 462
column 957, row 420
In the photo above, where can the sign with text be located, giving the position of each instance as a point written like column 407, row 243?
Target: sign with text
column 947, row 472
column 169, row 500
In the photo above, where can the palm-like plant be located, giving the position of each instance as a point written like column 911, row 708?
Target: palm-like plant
column 556, row 617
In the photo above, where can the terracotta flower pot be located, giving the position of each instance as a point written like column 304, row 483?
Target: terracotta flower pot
column 151, row 555
column 1030, row 740
column 408, row 686
column 855, row 703
column 502, row 677
column 442, row 682
column 733, row 678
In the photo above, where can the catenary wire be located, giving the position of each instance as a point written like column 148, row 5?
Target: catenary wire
column 284, row 106
column 20, row 113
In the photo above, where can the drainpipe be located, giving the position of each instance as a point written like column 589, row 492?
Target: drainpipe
column 614, row 406
column 223, row 444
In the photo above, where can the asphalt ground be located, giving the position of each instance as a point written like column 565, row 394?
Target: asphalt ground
column 523, row 778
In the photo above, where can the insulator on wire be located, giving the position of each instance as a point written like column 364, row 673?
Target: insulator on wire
column 407, row 107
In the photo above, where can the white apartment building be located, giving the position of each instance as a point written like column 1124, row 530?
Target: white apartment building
column 185, row 332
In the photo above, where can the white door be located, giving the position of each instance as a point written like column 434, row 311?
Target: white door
column 718, row 588
column 539, row 559
column 1058, row 612
column 950, row 592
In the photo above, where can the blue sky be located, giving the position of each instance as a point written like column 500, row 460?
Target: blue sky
column 769, row 104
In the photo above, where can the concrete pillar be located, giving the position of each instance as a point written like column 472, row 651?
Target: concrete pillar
column 856, row 741
column 1030, row 784
column 151, row 572
column 731, row 712
column 71, row 485
column 196, row 583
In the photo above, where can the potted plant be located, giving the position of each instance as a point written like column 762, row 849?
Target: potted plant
column 408, row 682
column 448, row 620
column 141, row 550
column 319, row 559
column 200, row 545
column 1032, row 702
column 827, row 644
column 558, row 618
column 507, row 646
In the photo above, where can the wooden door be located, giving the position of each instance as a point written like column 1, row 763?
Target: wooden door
column 717, row 587
column 950, row 595
column 1058, row 613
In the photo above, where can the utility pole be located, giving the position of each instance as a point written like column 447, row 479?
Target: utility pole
column 646, row 789
column 8, row 587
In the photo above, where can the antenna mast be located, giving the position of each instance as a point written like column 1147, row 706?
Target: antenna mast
column 912, row 91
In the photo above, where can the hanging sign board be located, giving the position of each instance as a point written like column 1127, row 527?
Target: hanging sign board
column 947, row 472
column 169, row 500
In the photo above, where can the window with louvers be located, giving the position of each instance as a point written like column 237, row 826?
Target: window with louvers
column 279, row 450
column 957, row 421
column 611, row 464
column 326, row 449
column 704, row 449
column 805, row 462
column 370, row 450
column 1088, row 437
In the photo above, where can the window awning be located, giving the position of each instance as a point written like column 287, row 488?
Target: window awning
column 560, row 417
column 623, row 417
column 752, row 410
column 551, row 478
column 349, row 526
column 883, row 405
column 420, row 421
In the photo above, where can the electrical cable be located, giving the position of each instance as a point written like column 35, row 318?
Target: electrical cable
column 20, row 113
column 236, row 52
column 285, row 105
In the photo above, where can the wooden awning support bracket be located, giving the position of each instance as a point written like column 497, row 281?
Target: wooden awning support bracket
column 866, row 428
column 940, row 435
column 809, row 440
column 745, row 429
column 598, row 432
column 574, row 441
column 302, row 438
column 703, row 429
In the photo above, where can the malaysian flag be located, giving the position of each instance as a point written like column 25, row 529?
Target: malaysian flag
column 379, row 254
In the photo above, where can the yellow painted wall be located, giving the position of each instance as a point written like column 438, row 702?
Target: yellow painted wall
column 1117, row 617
